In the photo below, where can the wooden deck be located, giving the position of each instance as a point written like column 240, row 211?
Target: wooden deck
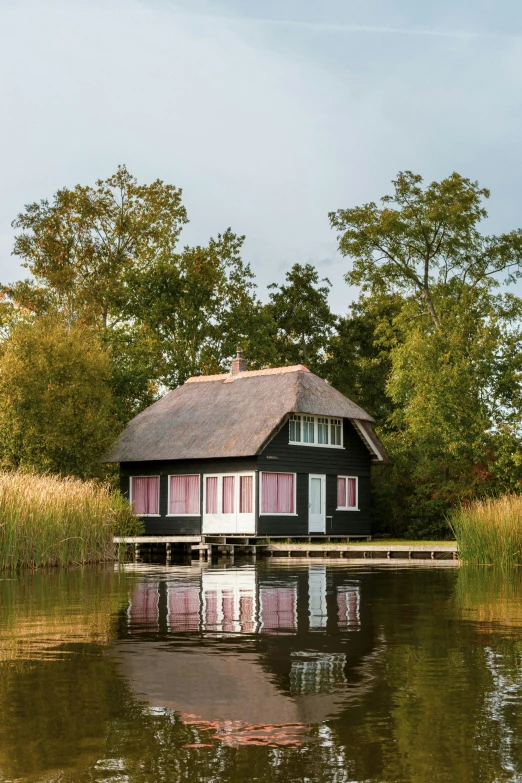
column 208, row 547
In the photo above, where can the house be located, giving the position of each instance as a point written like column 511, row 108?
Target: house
column 275, row 452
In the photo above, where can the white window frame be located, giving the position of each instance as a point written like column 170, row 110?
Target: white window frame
column 349, row 508
column 159, row 494
column 275, row 513
column 184, row 475
column 315, row 444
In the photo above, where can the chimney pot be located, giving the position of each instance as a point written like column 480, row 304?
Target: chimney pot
column 239, row 363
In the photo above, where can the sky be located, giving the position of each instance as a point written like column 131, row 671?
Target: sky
column 267, row 114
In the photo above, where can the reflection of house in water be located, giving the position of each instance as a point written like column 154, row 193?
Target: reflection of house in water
column 239, row 601
column 264, row 648
column 143, row 609
column 317, row 672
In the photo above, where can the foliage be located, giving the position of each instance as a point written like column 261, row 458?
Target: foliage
column 302, row 318
column 453, row 377
column 55, row 400
column 46, row 520
column 107, row 256
column 82, row 247
column 358, row 361
column 423, row 238
column 198, row 304
column 490, row 531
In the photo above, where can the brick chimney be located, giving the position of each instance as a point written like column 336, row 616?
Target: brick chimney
column 239, row 363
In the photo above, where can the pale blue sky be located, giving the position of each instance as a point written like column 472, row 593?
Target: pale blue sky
column 267, row 114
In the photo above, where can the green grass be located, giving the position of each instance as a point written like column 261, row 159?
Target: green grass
column 490, row 531
column 50, row 521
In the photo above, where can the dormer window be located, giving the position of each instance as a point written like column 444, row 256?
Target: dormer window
column 316, row 431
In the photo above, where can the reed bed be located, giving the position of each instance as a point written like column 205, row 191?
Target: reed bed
column 50, row 521
column 490, row 531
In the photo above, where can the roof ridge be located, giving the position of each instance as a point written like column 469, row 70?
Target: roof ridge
column 248, row 374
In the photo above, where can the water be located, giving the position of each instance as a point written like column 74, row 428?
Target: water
column 270, row 673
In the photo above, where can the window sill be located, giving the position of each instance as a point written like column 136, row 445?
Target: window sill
column 147, row 515
column 170, row 516
column 347, row 508
column 275, row 514
column 314, row 445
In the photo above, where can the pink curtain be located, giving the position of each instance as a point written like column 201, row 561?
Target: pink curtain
column 285, row 493
column 143, row 611
column 228, row 494
column 211, row 505
column 348, row 609
column 245, row 495
column 184, row 495
column 352, row 486
column 183, row 608
column 227, row 605
column 341, row 493
column 211, row 614
column 145, row 494
column 269, row 493
column 278, row 609
column 277, row 493
column 247, row 614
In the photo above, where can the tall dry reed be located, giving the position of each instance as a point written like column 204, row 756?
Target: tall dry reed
column 48, row 521
column 490, row 531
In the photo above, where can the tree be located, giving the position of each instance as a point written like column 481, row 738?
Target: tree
column 302, row 318
column 199, row 304
column 423, row 240
column 107, row 256
column 82, row 247
column 454, row 347
column 56, row 410
column 359, row 362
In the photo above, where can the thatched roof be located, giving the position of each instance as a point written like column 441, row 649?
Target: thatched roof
column 234, row 416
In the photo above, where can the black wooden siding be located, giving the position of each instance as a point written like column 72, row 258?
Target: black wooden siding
column 279, row 456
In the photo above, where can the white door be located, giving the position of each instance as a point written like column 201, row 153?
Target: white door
column 317, row 504
column 228, row 503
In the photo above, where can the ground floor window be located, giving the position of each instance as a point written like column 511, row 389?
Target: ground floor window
column 347, row 492
column 184, row 495
column 277, row 493
column 144, row 495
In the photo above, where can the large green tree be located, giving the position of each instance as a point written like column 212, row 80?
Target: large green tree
column 301, row 317
column 199, row 304
column 108, row 256
column 424, row 239
column 56, row 411
column 82, row 246
column 358, row 358
column 454, row 345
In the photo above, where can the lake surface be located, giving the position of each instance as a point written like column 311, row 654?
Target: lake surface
column 261, row 673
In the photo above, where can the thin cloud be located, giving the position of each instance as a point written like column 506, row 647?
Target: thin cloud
column 327, row 27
